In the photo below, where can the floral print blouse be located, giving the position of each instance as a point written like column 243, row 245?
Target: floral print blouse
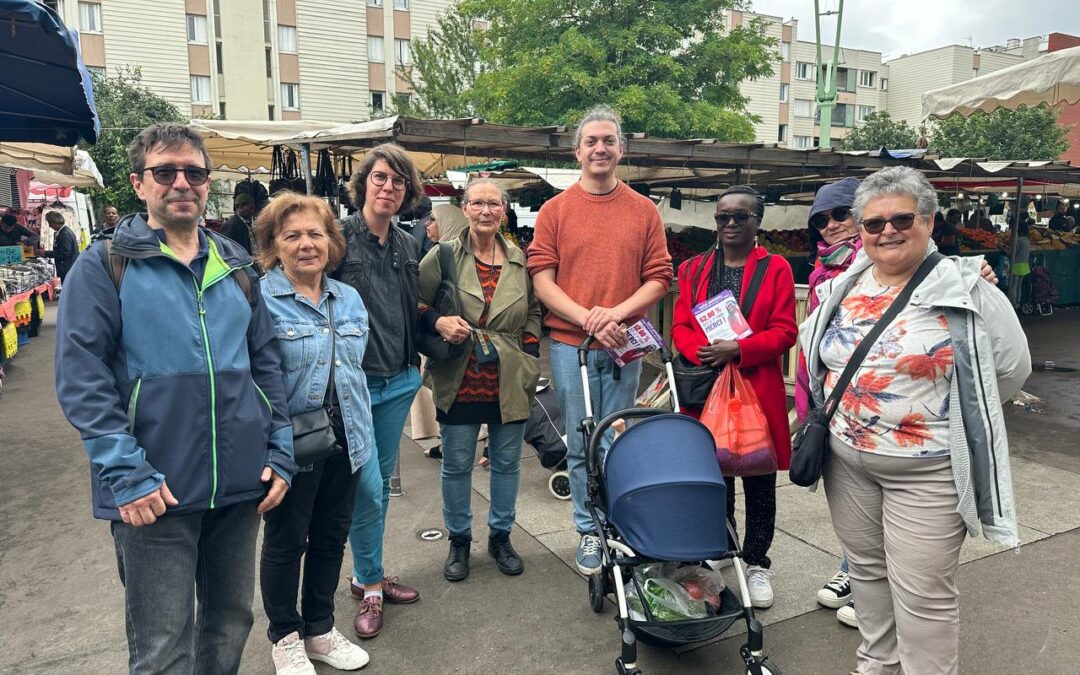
column 898, row 402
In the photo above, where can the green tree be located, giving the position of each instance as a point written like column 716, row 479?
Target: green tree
column 125, row 107
column 444, row 69
column 879, row 130
column 670, row 68
column 1031, row 134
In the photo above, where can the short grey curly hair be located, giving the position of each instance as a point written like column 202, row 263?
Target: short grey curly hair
column 600, row 113
column 897, row 180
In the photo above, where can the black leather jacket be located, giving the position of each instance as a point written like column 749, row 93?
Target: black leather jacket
column 351, row 271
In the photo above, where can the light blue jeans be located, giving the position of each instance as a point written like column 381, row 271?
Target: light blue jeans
column 459, row 454
column 390, row 401
column 607, row 394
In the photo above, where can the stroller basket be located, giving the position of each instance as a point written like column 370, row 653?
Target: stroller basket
column 665, row 493
column 679, row 633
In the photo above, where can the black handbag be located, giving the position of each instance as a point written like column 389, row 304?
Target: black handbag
column 810, row 446
column 446, row 303
column 693, row 382
column 313, row 430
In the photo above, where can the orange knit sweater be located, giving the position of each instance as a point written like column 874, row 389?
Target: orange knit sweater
column 603, row 248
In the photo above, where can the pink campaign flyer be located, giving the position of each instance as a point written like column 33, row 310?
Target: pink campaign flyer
column 721, row 319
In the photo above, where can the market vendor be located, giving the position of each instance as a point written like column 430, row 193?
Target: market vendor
column 14, row 234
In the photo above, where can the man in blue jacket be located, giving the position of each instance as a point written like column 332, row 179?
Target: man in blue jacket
column 166, row 364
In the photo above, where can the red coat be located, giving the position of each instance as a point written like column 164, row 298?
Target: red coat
column 772, row 319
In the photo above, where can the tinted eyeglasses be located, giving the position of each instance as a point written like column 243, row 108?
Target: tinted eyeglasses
column 740, row 217
column 378, row 179
column 166, row 175
column 821, row 220
column 900, row 222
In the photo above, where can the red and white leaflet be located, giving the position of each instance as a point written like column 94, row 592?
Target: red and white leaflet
column 641, row 338
column 721, row 318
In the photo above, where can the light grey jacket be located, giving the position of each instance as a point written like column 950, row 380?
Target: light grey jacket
column 991, row 364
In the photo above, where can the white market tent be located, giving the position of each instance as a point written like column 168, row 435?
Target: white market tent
column 243, row 147
column 1050, row 79
column 52, row 164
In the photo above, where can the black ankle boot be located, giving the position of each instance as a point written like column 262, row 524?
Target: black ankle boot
column 506, row 558
column 457, row 563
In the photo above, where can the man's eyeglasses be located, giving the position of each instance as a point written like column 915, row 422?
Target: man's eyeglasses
column 479, row 205
column 740, row 217
column 821, row 220
column 900, row 222
column 378, row 179
column 166, row 175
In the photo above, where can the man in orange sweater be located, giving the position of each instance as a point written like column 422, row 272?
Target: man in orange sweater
column 599, row 261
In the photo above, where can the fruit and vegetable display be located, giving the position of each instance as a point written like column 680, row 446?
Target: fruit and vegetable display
column 972, row 239
column 693, row 240
column 786, row 243
column 1050, row 239
column 1042, row 239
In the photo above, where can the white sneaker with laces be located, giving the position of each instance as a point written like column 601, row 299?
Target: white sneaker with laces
column 847, row 616
column 335, row 649
column 758, row 580
column 836, row 592
column 289, row 656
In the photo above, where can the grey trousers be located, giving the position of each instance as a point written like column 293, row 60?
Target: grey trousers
column 896, row 519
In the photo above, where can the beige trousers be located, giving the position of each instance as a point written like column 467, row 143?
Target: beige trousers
column 896, row 519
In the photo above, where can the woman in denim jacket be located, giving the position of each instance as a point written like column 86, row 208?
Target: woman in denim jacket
column 298, row 241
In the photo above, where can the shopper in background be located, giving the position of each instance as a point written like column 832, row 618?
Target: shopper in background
column 112, row 216
column 65, row 246
column 299, row 241
column 382, row 263
column 1057, row 221
column 240, row 225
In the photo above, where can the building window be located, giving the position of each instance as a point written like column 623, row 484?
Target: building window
column 375, row 52
column 785, row 51
column 804, row 107
column 866, row 78
column 290, row 96
column 402, row 100
column 884, row 84
column 864, row 112
column 196, row 29
column 270, row 112
column 785, row 89
column 803, row 143
column 200, row 89
column 217, row 19
column 89, row 17
column 781, row 134
column 401, row 4
column 286, row 39
column 269, row 62
column 220, row 60
column 374, row 3
column 266, row 21
column 377, row 101
column 804, row 70
column 402, row 53
column 221, row 109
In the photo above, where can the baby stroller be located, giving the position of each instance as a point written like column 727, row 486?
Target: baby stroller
column 645, row 512
column 545, row 431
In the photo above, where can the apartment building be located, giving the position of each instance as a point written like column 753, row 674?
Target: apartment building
column 785, row 102
column 332, row 60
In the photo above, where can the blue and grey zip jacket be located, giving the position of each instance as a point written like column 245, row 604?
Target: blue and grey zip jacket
column 177, row 378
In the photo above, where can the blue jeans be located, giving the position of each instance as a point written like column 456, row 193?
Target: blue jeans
column 459, row 453
column 844, row 564
column 607, row 394
column 206, row 557
column 390, row 401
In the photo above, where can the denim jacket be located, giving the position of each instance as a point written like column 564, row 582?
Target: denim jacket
column 302, row 333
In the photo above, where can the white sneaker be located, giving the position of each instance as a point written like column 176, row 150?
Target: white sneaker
column 836, row 592
column 758, row 580
column 846, row 615
column 335, row 649
column 289, row 656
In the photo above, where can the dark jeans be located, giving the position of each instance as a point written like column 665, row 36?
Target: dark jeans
column 312, row 522
column 167, row 567
column 759, row 495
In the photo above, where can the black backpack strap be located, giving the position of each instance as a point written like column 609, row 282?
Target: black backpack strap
column 755, row 285
column 243, row 280
column 117, row 264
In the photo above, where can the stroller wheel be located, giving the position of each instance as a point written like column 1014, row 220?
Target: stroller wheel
column 596, row 593
column 559, row 484
column 621, row 669
column 767, row 668
column 1027, row 309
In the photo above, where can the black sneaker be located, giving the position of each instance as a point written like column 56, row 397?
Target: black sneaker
column 506, row 558
column 457, row 563
column 836, row 592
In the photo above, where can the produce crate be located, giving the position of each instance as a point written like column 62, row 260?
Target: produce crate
column 9, row 341
column 23, row 312
column 39, row 304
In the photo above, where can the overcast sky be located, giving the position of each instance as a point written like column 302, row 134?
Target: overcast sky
column 897, row 27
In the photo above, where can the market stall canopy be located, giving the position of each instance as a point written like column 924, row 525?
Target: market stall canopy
column 1050, row 79
column 244, row 147
column 84, row 174
column 37, row 157
column 46, row 94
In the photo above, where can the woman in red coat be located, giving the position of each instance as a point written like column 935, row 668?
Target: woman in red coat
column 730, row 266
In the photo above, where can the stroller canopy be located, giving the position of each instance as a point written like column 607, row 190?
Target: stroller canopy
column 666, row 496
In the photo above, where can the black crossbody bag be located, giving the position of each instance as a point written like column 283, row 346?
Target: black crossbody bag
column 313, row 430
column 810, row 446
column 693, row 382
column 447, row 303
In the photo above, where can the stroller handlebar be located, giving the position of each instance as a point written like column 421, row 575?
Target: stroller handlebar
column 583, row 350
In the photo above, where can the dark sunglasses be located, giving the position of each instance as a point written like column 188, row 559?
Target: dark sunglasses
column 166, row 175
column 821, row 220
column 900, row 222
column 740, row 218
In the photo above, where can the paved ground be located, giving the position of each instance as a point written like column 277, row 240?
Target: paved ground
column 61, row 601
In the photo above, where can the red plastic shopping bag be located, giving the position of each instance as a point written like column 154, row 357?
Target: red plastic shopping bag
column 737, row 421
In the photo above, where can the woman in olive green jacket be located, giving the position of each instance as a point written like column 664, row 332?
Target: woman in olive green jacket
column 493, row 383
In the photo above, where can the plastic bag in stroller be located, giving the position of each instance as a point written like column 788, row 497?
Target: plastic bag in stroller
column 648, row 498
